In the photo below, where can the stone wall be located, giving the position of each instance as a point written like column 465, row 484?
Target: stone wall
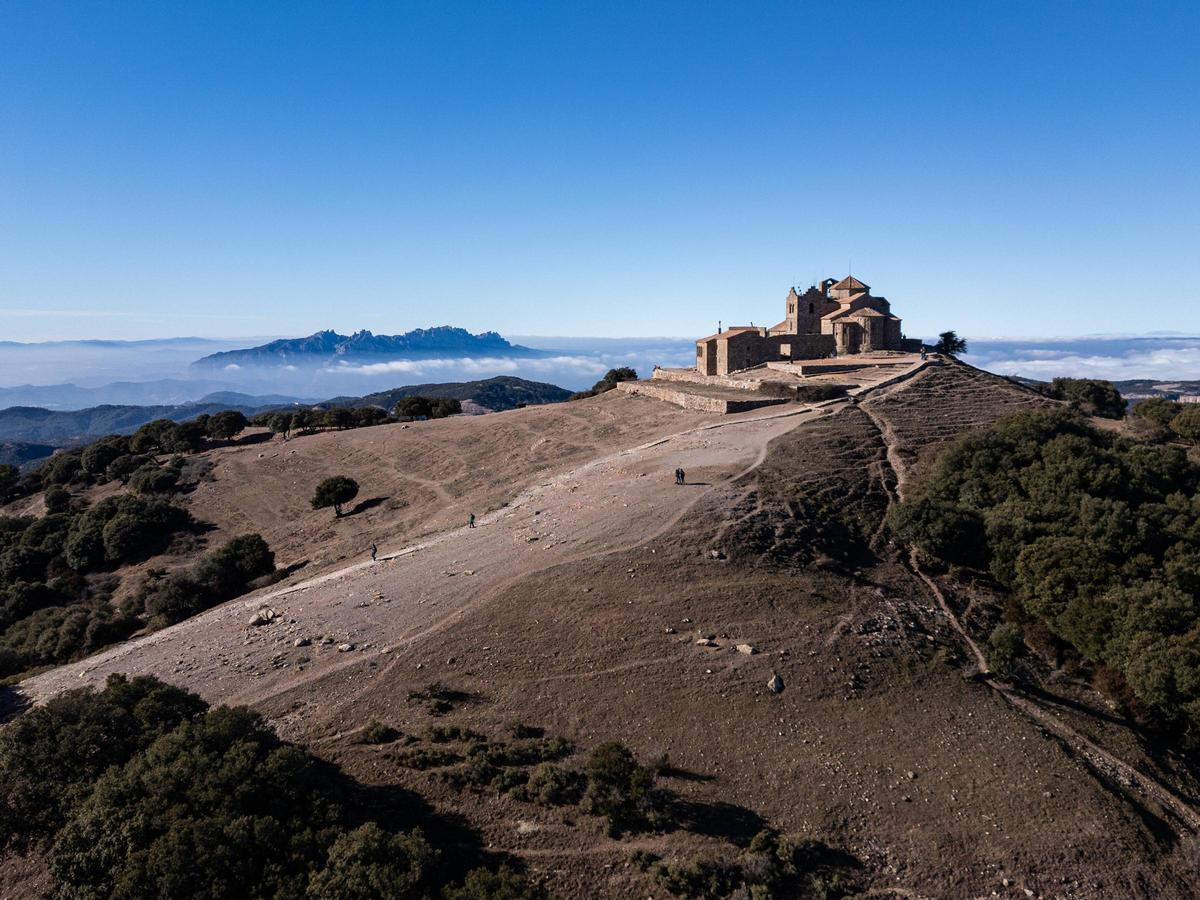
column 701, row 402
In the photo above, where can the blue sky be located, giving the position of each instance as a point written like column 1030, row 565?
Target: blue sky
column 1005, row 169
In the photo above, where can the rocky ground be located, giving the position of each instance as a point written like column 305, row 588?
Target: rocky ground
column 600, row 601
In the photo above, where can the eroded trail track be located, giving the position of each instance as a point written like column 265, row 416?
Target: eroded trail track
column 605, row 506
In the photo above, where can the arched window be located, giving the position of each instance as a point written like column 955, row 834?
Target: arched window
column 811, row 309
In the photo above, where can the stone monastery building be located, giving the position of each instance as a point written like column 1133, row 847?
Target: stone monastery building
column 836, row 319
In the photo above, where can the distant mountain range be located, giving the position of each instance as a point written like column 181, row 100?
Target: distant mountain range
column 328, row 346
column 26, row 425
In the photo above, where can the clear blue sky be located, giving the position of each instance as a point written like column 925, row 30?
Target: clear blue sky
column 214, row 168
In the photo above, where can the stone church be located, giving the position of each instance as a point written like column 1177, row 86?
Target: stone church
column 837, row 318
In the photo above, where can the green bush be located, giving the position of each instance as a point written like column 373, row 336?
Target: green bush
column 1186, row 423
column 552, row 785
column 378, row 733
column 369, row 863
column 622, row 791
column 141, row 790
column 227, row 424
column 152, row 478
column 223, row 574
column 57, row 499
column 1157, row 410
column 1096, row 535
column 1005, row 644
column 1090, row 396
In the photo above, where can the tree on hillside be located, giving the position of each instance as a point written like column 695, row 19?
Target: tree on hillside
column 412, row 408
column 9, row 477
column 950, row 344
column 1158, row 410
column 280, row 423
column 1187, row 424
column 610, row 380
column 1091, row 396
column 224, row 425
column 334, row 492
column 443, row 407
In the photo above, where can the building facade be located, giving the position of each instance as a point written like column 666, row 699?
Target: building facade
column 837, row 318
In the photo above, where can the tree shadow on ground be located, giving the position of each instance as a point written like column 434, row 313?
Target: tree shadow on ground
column 12, row 703
column 364, row 505
column 684, row 774
column 736, row 824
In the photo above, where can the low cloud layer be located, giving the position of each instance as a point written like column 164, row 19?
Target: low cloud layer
column 1116, row 359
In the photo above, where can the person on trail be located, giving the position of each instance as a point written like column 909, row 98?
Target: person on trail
column 922, row 353
column 682, row 477
column 677, row 478
column 374, row 550
column 471, row 521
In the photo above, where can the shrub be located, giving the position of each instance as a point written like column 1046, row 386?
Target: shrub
column 378, row 733
column 370, row 863
column 413, row 407
column 224, row 425
column 551, row 785
column 1186, row 423
column 57, row 499
column 1090, row 396
column 622, row 791
column 141, row 790
column 334, row 492
column 152, row 478
column 503, row 884
column 426, row 758
column 56, row 751
column 1096, row 536
column 1005, row 645
column 63, row 467
column 610, row 380
column 123, row 467
column 1157, row 410
column 220, row 576
column 10, row 477
column 99, row 455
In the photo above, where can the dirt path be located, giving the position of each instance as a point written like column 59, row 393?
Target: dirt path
column 415, row 591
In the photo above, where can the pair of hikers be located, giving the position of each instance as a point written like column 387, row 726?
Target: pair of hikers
column 680, row 476
column 375, row 550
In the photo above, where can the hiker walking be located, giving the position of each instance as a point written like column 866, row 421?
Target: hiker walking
column 374, row 551
column 680, row 476
column 471, row 521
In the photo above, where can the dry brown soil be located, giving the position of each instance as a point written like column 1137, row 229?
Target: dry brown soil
column 577, row 603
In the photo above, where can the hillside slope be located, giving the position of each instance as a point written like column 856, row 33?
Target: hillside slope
column 578, row 605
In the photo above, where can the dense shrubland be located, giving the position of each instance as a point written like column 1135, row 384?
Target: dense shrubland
column 56, row 571
column 56, row 580
column 1169, row 418
column 1096, row 536
column 141, row 790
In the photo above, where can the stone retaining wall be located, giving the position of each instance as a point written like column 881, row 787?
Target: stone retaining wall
column 687, row 400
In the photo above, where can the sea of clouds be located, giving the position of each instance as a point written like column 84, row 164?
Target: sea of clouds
column 158, row 371
column 1116, row 358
